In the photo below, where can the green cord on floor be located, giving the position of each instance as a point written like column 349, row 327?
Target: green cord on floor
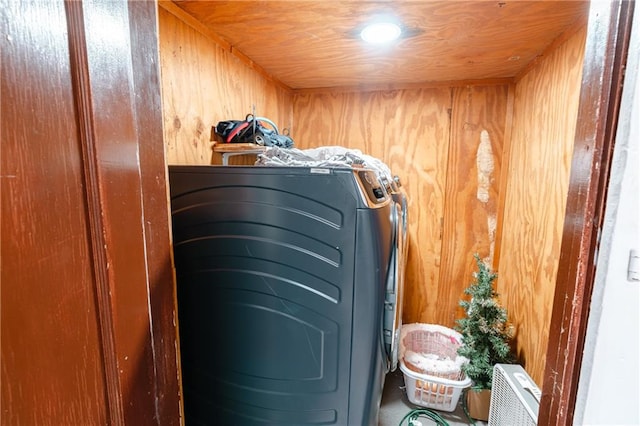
column 413, row 415
column 464, row 407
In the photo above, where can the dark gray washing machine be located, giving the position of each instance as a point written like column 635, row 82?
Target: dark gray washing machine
column 281, row 280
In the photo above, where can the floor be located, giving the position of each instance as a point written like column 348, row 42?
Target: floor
column 395, row 406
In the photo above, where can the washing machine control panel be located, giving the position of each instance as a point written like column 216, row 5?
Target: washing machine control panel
column 372, row 189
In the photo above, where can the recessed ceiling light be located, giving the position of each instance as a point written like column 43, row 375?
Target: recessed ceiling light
column 380, row 32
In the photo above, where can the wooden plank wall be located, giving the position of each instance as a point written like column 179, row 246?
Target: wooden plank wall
column 202, row 84
column 544, row 122
column 409, row 131
column 432, row 138
column 478, row 120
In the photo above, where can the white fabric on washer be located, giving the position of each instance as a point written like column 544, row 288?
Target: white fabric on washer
column 326, row 156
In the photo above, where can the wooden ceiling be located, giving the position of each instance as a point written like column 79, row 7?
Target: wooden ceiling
column 315, row 44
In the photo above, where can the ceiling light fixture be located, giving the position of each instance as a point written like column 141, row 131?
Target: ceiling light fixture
column 380, row 32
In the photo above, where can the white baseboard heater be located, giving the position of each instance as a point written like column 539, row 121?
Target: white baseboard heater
column 515, row 398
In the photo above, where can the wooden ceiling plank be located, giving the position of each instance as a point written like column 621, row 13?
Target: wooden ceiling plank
column 315, row 44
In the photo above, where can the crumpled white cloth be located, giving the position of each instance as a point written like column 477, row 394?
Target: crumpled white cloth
column 326, row 156
column 434, row 364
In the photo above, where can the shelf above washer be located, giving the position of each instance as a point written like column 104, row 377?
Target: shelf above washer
column 227, row 150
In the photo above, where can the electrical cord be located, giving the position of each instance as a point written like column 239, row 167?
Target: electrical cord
column 412, row 417
column 464, row 407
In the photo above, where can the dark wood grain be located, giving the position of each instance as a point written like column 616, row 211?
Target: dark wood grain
column 88, row 304
column 53, row 371
column 161, row 369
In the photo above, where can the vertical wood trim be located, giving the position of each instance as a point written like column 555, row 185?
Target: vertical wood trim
column 504, row 174
column 82, row 94
column 605, row 56
column 155, row 206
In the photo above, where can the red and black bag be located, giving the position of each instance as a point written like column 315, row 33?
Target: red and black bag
column 252, row 130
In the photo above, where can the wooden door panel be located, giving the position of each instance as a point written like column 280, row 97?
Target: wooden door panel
column 88, row 299
column 51, row 346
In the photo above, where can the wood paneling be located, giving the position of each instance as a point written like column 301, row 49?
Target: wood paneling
column 202, row 84
column 162, row 370
column 411, row 131
column 115, row 190
column 473, row 191
column 85, row 221
column 52, row 367
column 310, row 44
column 544, row 123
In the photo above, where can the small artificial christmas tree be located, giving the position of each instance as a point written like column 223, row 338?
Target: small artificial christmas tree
column 485, row 333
